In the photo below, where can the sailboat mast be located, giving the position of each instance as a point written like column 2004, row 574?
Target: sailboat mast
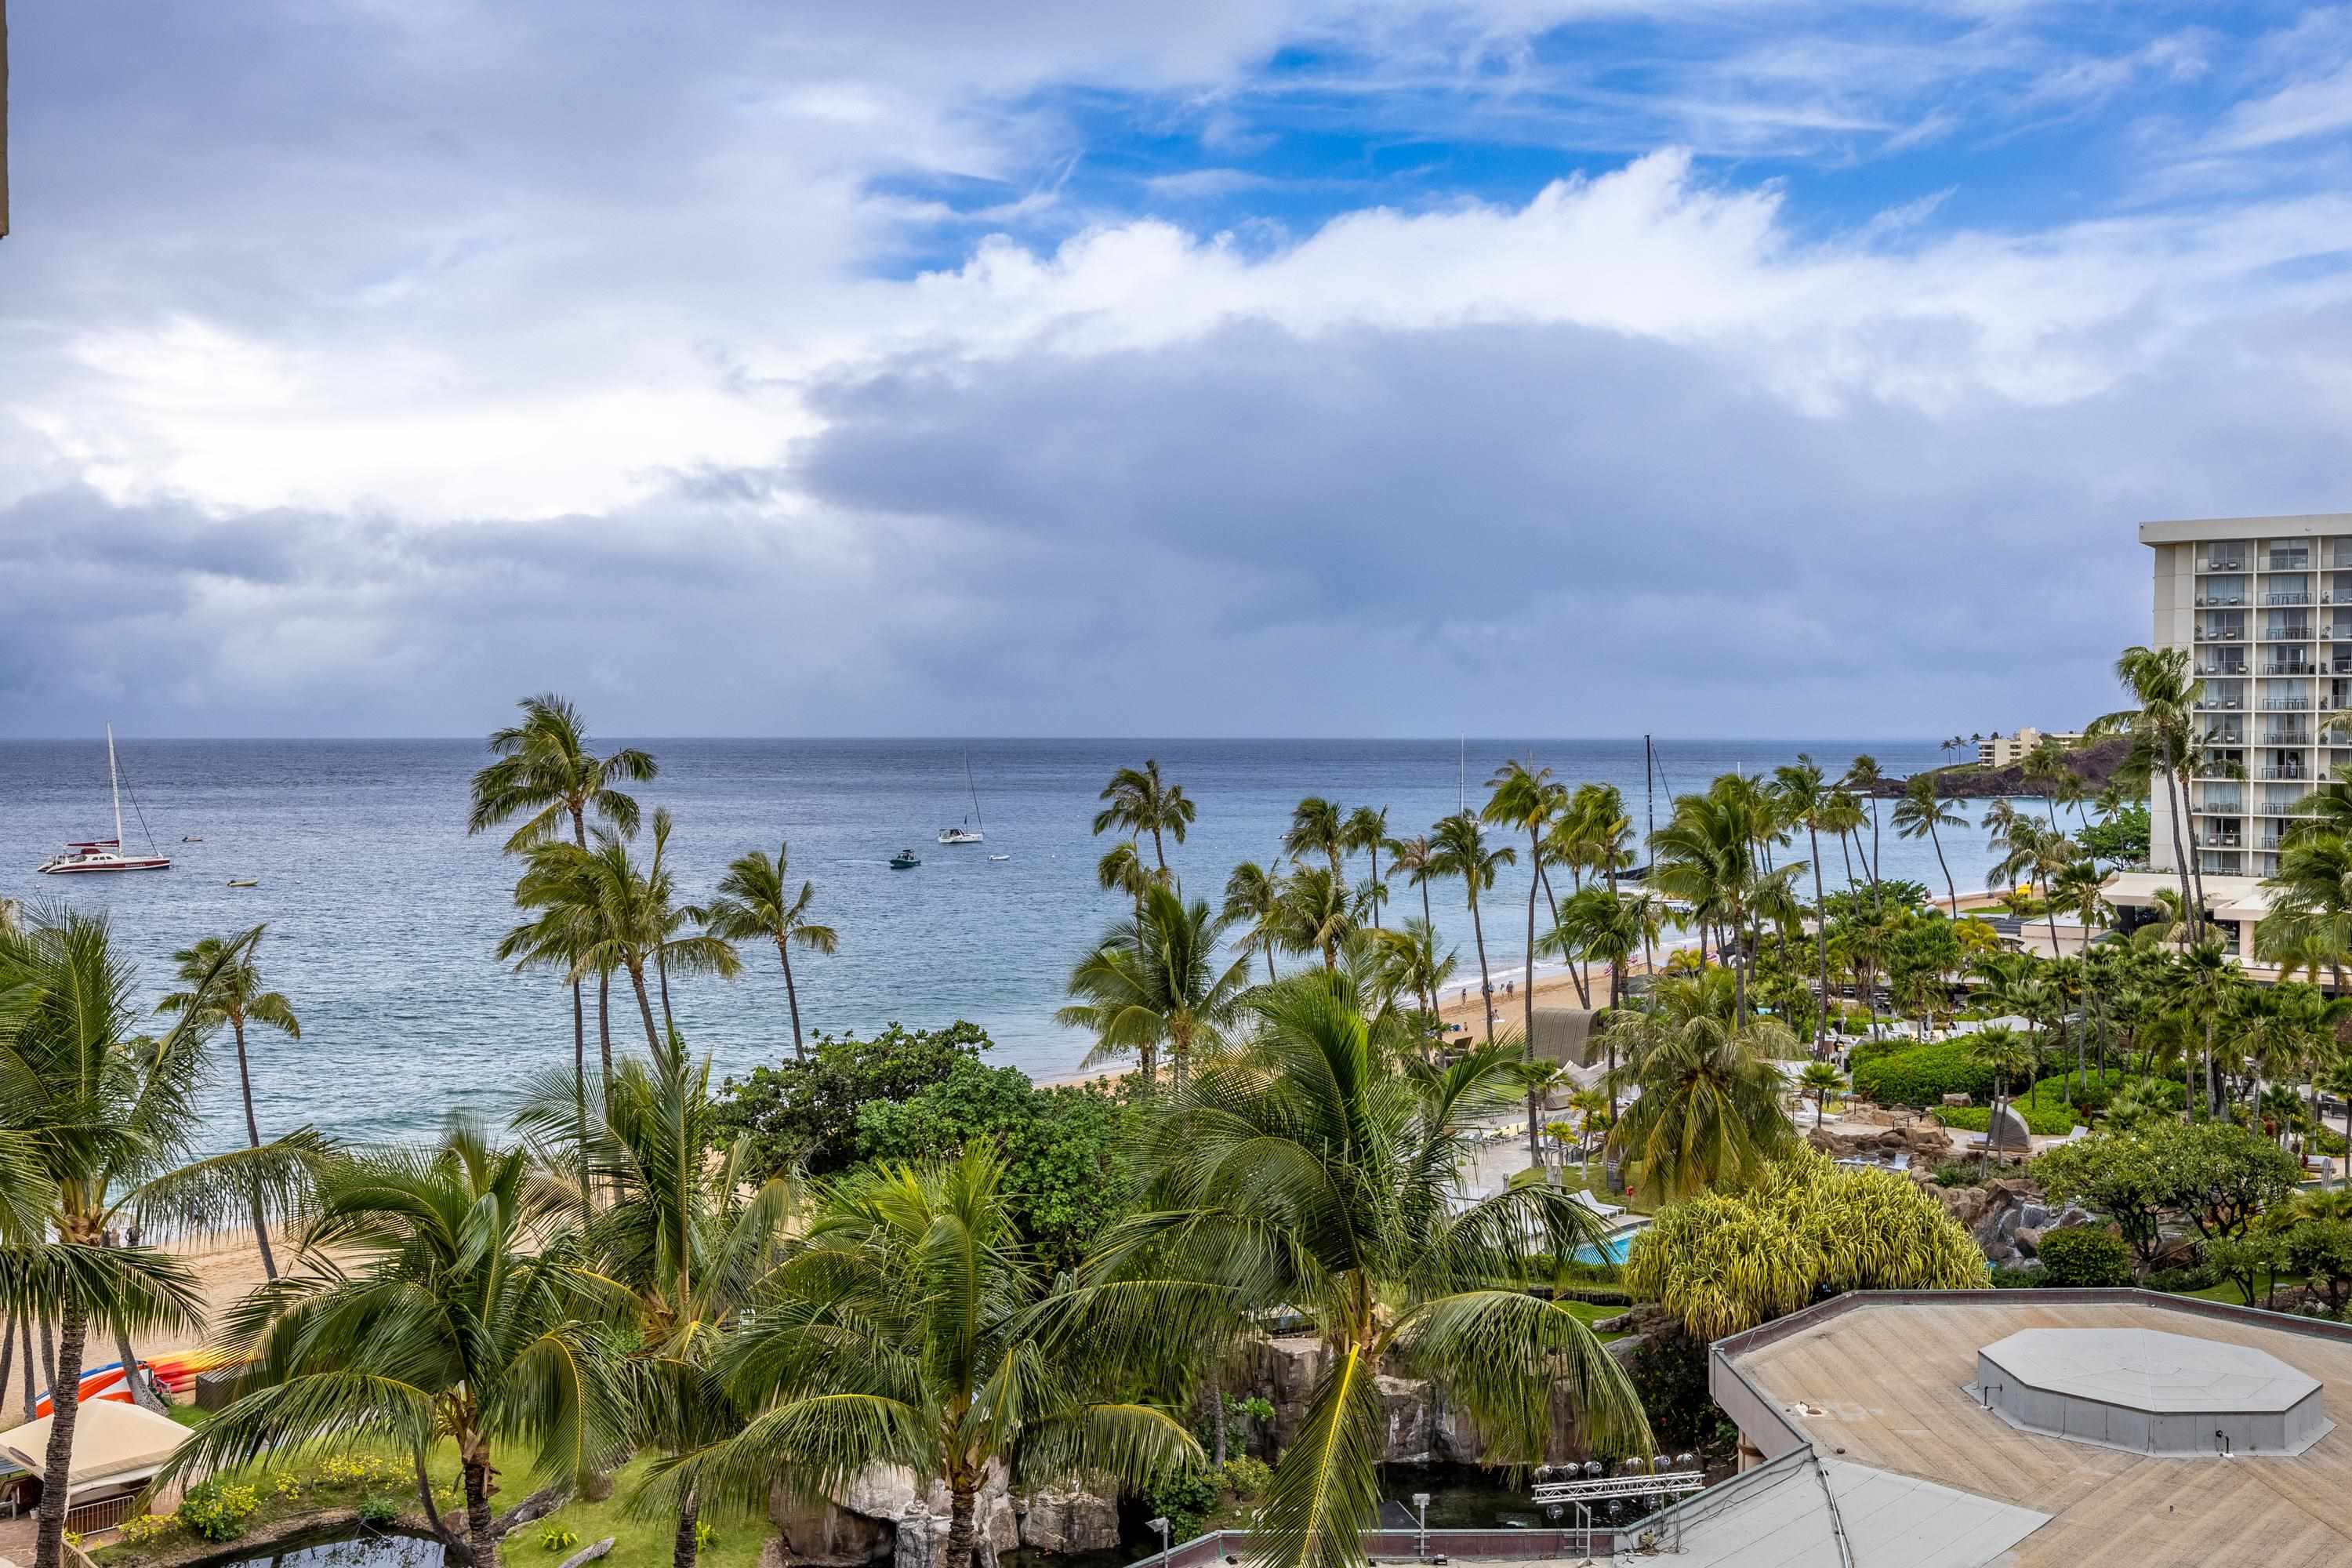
column 115, row 779
column 1649, row 786
column 978, row 820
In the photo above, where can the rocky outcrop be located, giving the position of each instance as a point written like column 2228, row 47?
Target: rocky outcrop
column 1925, row 1143
column 1424, row 1427
column 883, row 1516
column 2008, row 1218
column 1067, row 1522
column 2094, row 764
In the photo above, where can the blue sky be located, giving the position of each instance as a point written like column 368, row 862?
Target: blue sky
column 1542, row 366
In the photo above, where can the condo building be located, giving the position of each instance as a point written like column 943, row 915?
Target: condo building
column 2264, row 606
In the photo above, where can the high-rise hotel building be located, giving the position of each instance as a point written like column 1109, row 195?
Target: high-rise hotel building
column 2264, row 606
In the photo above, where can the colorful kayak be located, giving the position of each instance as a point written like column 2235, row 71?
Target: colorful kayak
column 176, row 1375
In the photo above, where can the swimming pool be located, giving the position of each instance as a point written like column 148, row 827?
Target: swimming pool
column 1613, row 1248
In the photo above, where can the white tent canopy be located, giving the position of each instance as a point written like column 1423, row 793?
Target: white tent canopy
column 114, row 1445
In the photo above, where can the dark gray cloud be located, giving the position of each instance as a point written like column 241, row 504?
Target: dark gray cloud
column 1538, row 530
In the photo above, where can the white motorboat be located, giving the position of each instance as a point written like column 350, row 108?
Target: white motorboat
column 105, row 854
column 971, row 831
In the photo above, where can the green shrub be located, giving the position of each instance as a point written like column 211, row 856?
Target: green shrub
column 216, row 1511
column 1922, row 1075
column 379, row 1512
column 555, row 1538
column 2049, row 1119
column 705, row 1535
column 1183, row 1498
column 2179, row 1281
column 2086, row 1257
column 1246, row 1477
column 2093, row 1090
column 1960, row 1172
column 2025, row 1279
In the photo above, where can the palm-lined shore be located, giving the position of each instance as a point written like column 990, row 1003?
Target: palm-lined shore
column 642, row 1261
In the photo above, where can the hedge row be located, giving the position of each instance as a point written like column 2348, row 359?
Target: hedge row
column 1922, row 1075
column 2048, row 1120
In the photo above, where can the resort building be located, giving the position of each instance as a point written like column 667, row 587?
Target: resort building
column 2046, row 1428
column 2264, row 606
column 1999, row 750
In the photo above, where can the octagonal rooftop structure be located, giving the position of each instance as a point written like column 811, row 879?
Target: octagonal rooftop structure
column 2148, row 1391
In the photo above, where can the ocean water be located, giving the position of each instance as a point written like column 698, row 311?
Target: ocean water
column 383, row 913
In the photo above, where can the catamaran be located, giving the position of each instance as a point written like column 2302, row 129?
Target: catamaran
column 971, row 832
column 106, row 854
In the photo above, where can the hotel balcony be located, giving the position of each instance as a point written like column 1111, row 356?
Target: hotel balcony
column 2288, row 596
column 2290, row 667
column 2222, row 601
column 2221, row 634
column 2283, row 771
column 2286, row 738
column 2287, row 631
column 2231, row 563
column 2296, row 560
column 2284, row 704
column 2239, row 668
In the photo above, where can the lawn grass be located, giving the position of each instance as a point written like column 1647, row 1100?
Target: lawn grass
column 1591, row 1315
column 637, row 1542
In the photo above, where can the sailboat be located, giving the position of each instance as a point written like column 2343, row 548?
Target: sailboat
column 970, row 832
column 106, row 854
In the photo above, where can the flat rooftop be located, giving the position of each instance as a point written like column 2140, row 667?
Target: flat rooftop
column 1880, row 1385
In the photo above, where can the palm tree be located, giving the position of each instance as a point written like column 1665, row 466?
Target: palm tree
column 1842, row 816
column 1459, row 850
column 1821, row 1080
column 1367, row 829
column 2311, row 902
column 1862, row 776
column 2204, row 983
column 1414, row 963
column 97, row 1127
column 701, row 953
column 1523, row 797
column 452, row 1308
column 2161, row 726
column 2080, row 890
column 1316, row 914
column 1918, row 813
column 688, row 1237
column 1709, row 1110
column 607, row 911
column 2008, row 1052
column 1254, row 894
column 1706, row 856
column 1318, row 826
column 544, row 773
column 1805, row 798
column 906, row 1328
column 1159, row 980
column 556, row 884
column 755, row 903
column 1597, row 926
column 1411, row 857
column 232, row 995
column 1309, row 1174
column 1142, row 802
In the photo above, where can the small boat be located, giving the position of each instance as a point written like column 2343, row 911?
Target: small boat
column 106, row 854
column 999, row 857
column 904, row 861
column 971, row 831
column 244, row 882
column 190, row 838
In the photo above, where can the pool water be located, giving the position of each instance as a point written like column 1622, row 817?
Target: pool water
column 1613, row 1248
column 368, row 1549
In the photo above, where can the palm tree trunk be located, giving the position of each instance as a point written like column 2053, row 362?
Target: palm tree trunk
column 253, row 1137
column 1160, row 853
column 661, row 973
column 7, row 1351
column 960, row 1531
column 50, row 1349
column 476, row 1468
column 605, row 1024
column 1951, row 890
column 1845, row 852
column 792, row 999
column 24, row 1328
column 644, row 1006
column 2050, row 908
column 1820, row 938
column 1372, row 887
column 579, row 1098
column 1528, row 1002
column 65, row 1396
column 1485, row 985
column 682, row 1544
column 2196, row 872
column 450, row 1543
column 1427, row 918
column 142, row 1393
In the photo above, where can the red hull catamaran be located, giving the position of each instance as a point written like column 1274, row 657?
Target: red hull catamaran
column 105, row 854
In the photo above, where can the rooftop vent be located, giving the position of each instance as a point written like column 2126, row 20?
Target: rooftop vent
column 2150, row 1393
